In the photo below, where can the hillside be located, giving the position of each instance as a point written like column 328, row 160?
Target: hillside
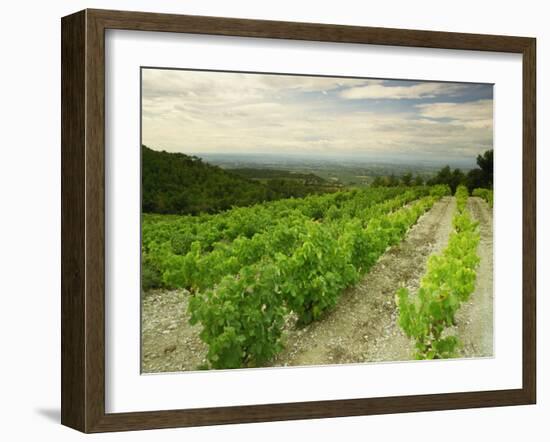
column 182, row 184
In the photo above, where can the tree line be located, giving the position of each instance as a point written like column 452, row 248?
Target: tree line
column 480, row 177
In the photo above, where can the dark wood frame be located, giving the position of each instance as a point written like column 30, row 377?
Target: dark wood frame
column 83, row 216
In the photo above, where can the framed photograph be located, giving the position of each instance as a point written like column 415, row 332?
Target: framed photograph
column 270, row 220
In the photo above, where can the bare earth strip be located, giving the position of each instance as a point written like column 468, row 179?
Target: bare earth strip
column 475, row 317
column 363, row 326
column 169, row 342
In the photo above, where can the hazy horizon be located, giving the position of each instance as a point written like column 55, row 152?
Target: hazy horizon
column 220, row 113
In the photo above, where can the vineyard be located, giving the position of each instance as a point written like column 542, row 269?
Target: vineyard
column 264, row 285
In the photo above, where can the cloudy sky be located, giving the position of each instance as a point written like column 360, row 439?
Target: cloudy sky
column 207, row 112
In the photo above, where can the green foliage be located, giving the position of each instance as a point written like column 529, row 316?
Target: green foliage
column 378, row 182
column 388, row 181
column 225, row 242
column 461, row 198
column 309, row 282
column 479, row 177
column 182, row 184
column 244, row 279
column 486, row 194
column 407, row 179
column 448, row 282
column 243, row 318
column 273, row 175
column 334, row 257
column 485, row 163
column 151, row 274
column 440, row 190
column 392, row 181
column 418, row 181
column 315, row 274
column 474, row 179
column 451, row 178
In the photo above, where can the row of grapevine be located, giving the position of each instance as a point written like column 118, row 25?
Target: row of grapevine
column 486, row 194
column 242, row 316
column 200, row 270
column 180, row 232
column 206, row 262
column 448, row 282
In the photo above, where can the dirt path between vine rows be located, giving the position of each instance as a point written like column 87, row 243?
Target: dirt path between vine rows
column 475, row 317
column 363, row 327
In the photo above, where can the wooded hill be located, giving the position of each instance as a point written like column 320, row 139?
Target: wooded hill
column 182, row 184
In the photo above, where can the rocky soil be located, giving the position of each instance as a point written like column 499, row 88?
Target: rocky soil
column 168, row 341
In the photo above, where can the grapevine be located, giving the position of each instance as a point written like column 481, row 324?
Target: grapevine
column 241, row 317
column 448, row 282
column 486, row 194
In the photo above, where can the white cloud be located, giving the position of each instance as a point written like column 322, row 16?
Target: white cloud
column 381, row 90
column 191, row 111
column 193, row 84
column 468, row 111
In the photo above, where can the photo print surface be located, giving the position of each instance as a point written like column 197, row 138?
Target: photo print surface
column 292, row 220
